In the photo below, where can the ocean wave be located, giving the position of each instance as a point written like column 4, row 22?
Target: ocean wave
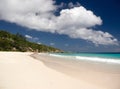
column 97, row 59
column 63, row 56
column 94, row 59
column 56, row 55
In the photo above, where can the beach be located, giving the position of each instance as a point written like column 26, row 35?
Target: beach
column 25, row 70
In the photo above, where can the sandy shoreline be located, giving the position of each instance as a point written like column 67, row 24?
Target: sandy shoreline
column 21, row 71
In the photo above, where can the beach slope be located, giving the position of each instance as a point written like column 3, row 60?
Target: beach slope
column 21, row 71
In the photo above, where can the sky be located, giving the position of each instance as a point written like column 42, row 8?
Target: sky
column 70, row 25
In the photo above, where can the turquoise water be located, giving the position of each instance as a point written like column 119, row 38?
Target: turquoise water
column 96, row 57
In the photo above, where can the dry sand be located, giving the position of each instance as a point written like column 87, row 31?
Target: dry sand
column 21, row 71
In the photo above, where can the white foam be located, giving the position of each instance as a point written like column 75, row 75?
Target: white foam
column 56, row 55
column 94, row 59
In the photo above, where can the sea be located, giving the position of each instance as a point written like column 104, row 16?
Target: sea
column 95, row 57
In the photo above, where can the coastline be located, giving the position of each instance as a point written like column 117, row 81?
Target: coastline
column 95, row 73
column 21, row 71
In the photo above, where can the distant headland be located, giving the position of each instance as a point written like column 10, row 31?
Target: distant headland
column 17, row 42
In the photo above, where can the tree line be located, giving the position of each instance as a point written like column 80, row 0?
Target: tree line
column 17, row 42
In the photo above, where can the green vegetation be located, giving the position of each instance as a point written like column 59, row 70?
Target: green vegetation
column 17, row 42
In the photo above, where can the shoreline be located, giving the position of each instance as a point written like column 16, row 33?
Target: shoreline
column 106, row 60
column 73, row 61
column 93, row 72
column 21, row 71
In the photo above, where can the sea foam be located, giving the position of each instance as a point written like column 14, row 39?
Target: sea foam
column 94, row 59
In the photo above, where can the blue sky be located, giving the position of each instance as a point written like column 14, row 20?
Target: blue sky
column 105, row 18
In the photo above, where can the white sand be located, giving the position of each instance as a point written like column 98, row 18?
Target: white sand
column 20, row 71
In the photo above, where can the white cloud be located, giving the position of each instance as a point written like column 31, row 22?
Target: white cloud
column 71, row 5
column 76, row 22
column 31, row 38
column 62, row 5
column 28, row 36
column 52, row 44
column 39, row 43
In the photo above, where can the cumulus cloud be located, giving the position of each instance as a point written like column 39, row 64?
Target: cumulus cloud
column 76, row 22
column 31, row 38
column 71, row 5
column 39, row 43
column 62, row 5
column 52, row 44
column 28, row 36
